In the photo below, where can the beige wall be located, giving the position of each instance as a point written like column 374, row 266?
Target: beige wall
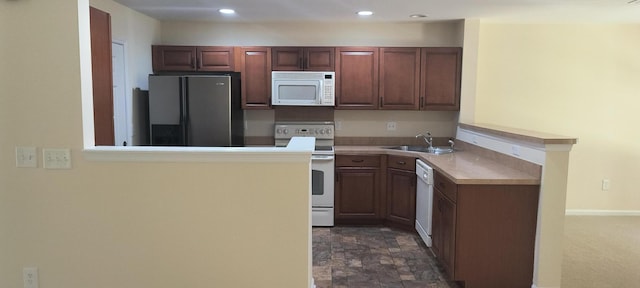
column 108, row 224
column 580, row 80
column 355, row 123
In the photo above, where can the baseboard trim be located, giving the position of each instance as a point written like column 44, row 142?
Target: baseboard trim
column 581, row 212
column 534, row 286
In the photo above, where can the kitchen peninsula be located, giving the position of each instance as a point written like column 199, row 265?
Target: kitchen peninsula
column 487, row 198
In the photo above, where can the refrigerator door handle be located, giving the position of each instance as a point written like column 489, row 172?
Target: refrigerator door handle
column 183, row 109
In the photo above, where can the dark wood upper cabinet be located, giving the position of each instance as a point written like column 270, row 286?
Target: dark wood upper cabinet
column 215, row 58
column 255, row 72
column 357, row 78
column 441, row 73
column 192, row 58
column 102, row 74
column 173, row 58
column 303, row 58
column 399, row 78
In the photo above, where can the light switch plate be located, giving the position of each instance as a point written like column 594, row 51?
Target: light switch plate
column 26, row 157
column 56, row 158
column 30, row 277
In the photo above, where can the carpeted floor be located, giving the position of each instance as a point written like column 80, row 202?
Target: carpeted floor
column 601, row 252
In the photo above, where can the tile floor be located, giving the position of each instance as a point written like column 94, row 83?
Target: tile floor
column 373, row 257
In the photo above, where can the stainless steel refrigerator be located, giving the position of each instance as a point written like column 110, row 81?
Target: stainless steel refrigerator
column 195, row 110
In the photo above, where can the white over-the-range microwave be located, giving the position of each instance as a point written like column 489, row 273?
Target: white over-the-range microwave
column 303, row 88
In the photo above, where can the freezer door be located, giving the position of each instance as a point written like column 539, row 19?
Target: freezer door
column 209, row 111
column 164, row 100
column 166, row 110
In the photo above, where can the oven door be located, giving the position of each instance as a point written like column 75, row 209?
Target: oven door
column 322, row 167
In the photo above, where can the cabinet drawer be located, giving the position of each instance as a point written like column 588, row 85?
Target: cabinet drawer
column 358, row 160
column 402, row 162
column 446, row 186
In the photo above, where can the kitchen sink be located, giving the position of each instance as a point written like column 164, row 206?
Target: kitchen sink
column 433, row 150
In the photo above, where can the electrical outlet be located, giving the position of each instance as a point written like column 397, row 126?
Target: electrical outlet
column 30, row 277
column 26, row 157
column 391, row 126
column 606, row 184
column 515, row 150
column 338, row 125
column 56, row 158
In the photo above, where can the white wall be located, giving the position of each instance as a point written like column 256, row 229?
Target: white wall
column 355, row 123
column 125, row 224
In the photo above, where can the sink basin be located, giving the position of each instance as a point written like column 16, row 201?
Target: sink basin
column 433, row 150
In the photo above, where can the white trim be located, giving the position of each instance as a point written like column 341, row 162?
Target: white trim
column 528, row 151
column 525, row 151
column 534, row 286
column 128, row 93
column 298, row 150
column 587, row 212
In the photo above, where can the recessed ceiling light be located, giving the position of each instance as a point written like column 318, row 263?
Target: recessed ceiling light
column 365, row 13
column 417, row 16
column 227, row 11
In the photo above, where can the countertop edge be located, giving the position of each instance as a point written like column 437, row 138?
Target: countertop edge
column 431, row 159
column 519, row 134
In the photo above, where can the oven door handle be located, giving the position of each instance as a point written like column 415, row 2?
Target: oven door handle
column 322, row 157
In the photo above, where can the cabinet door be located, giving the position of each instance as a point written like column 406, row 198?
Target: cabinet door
column 215, row 58
column 173, row 58
column 399, row 78
column 443, row 231
column 441, row 68
column 255, row 71
column 319, row 59
column 287, row 58
column 401, row 197
column 357, row 78
column 357, row 193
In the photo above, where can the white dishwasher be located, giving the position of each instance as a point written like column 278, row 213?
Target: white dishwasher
column 424, row 198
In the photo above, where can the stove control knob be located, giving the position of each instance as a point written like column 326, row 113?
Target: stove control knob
column 278, row 131
column 285, row 131
column 328, row 131
column 321, row 131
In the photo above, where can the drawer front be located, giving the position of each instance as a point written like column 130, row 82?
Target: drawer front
column 402, row 162
column 446, row 186
column 358, row 160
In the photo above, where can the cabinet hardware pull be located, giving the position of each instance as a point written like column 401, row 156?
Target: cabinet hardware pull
column 401, row 162
column 357, row 160
column 381, row 101
column 301, row 63
column 421, row 102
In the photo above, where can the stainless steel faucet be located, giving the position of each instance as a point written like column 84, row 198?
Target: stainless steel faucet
column 427, row 138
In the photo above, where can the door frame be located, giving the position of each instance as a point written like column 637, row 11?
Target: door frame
column 127, row 98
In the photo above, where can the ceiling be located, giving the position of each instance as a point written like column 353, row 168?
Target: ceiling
column 390, row 10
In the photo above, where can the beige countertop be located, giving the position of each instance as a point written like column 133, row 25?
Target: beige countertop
column 462, row 167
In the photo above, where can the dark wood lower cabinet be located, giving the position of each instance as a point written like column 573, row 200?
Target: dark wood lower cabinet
column 401, row 192
column 358, row 198
column 484, row 235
